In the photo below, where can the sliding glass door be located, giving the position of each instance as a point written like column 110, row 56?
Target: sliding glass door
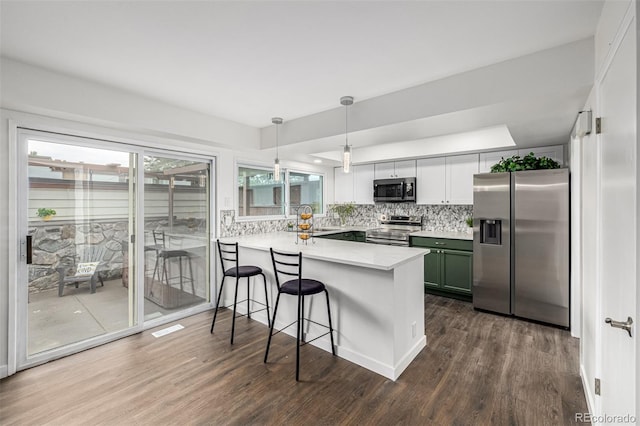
column 80, row 204
column 176, row 233
column 113, row 238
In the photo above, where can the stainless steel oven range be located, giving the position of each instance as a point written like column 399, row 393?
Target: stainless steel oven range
column 394, row 230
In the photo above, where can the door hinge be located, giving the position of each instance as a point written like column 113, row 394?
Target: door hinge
column 133, row 238
column 597, row 387
column 598, row 125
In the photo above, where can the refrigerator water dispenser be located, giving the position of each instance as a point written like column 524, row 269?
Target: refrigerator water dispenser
column 490, row 231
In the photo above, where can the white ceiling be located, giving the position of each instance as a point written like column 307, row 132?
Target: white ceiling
column 250, row 61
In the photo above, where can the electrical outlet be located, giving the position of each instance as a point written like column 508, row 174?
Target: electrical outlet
column 413, row 329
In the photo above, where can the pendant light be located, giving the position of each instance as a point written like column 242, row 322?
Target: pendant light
column 346, row 155
column 276, row 164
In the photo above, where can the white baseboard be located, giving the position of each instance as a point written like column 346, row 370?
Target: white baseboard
column 587, row 390
column 409, row 356
column 4, row 371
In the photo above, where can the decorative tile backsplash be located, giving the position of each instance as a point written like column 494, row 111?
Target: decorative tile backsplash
column 435, row 218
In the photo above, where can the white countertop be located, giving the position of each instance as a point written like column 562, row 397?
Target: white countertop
column 444, row 234
column 372, row 256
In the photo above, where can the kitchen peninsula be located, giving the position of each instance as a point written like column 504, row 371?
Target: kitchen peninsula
column 376, row 293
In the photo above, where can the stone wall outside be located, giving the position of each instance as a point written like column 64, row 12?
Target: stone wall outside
column 60, row 244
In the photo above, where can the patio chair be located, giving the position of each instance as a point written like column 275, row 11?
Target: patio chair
column 87, row 269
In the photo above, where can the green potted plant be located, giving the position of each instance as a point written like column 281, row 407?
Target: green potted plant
column 343, row 211
column 528, row 162
column 469, row 222
column 45, row 214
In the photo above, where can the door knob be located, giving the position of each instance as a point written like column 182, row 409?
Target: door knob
column 619, row 324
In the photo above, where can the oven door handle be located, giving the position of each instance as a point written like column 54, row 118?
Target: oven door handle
column 387, row 242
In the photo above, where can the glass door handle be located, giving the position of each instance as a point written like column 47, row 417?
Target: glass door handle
column 29, row 249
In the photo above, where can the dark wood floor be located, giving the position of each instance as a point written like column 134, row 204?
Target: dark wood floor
column 477, row 369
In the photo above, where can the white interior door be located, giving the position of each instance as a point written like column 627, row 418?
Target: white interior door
column 618, row 227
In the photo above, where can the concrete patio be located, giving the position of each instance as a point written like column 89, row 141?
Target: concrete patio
column 57, row 321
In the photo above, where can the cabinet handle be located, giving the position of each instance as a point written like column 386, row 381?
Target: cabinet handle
column 447, row 201
column 442, row 201
column 440, row 244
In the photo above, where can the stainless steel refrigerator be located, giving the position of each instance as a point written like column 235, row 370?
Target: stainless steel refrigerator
column 521, row 244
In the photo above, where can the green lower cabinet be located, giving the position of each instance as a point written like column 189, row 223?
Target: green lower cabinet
column 447, row 271
column 358, row 236
column 337, row 236
column 457, row 268
column 432, row 268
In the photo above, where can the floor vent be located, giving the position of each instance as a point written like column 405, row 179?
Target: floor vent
column 167, row 330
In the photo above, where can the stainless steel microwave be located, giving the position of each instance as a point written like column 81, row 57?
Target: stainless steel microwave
column 396, row 190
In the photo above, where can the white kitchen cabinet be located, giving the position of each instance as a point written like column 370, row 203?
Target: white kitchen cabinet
column 446, row 180
column 395, row 169
column 488, row 159
column 459, row 181
column 355, row 187
column 363, row 176
column 431, row 181
column 343, row 191
column 384, row 170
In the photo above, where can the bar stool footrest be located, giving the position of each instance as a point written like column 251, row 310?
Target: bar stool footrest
column 249, row 313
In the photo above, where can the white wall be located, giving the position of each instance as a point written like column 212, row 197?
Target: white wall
column 40, row 91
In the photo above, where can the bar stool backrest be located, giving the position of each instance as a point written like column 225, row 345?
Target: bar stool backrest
column 289, row 264
column 228, row 256
column 159, row 239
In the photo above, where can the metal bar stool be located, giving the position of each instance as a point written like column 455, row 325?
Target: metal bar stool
column 165, row 255
column 229, row 253
column 291, row 265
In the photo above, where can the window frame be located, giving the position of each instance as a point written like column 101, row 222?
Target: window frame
column 286, row 192
column 324, row 189
column 249, row 165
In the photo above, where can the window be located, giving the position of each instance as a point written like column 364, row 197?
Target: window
column 306, row 188
column 258, row 193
